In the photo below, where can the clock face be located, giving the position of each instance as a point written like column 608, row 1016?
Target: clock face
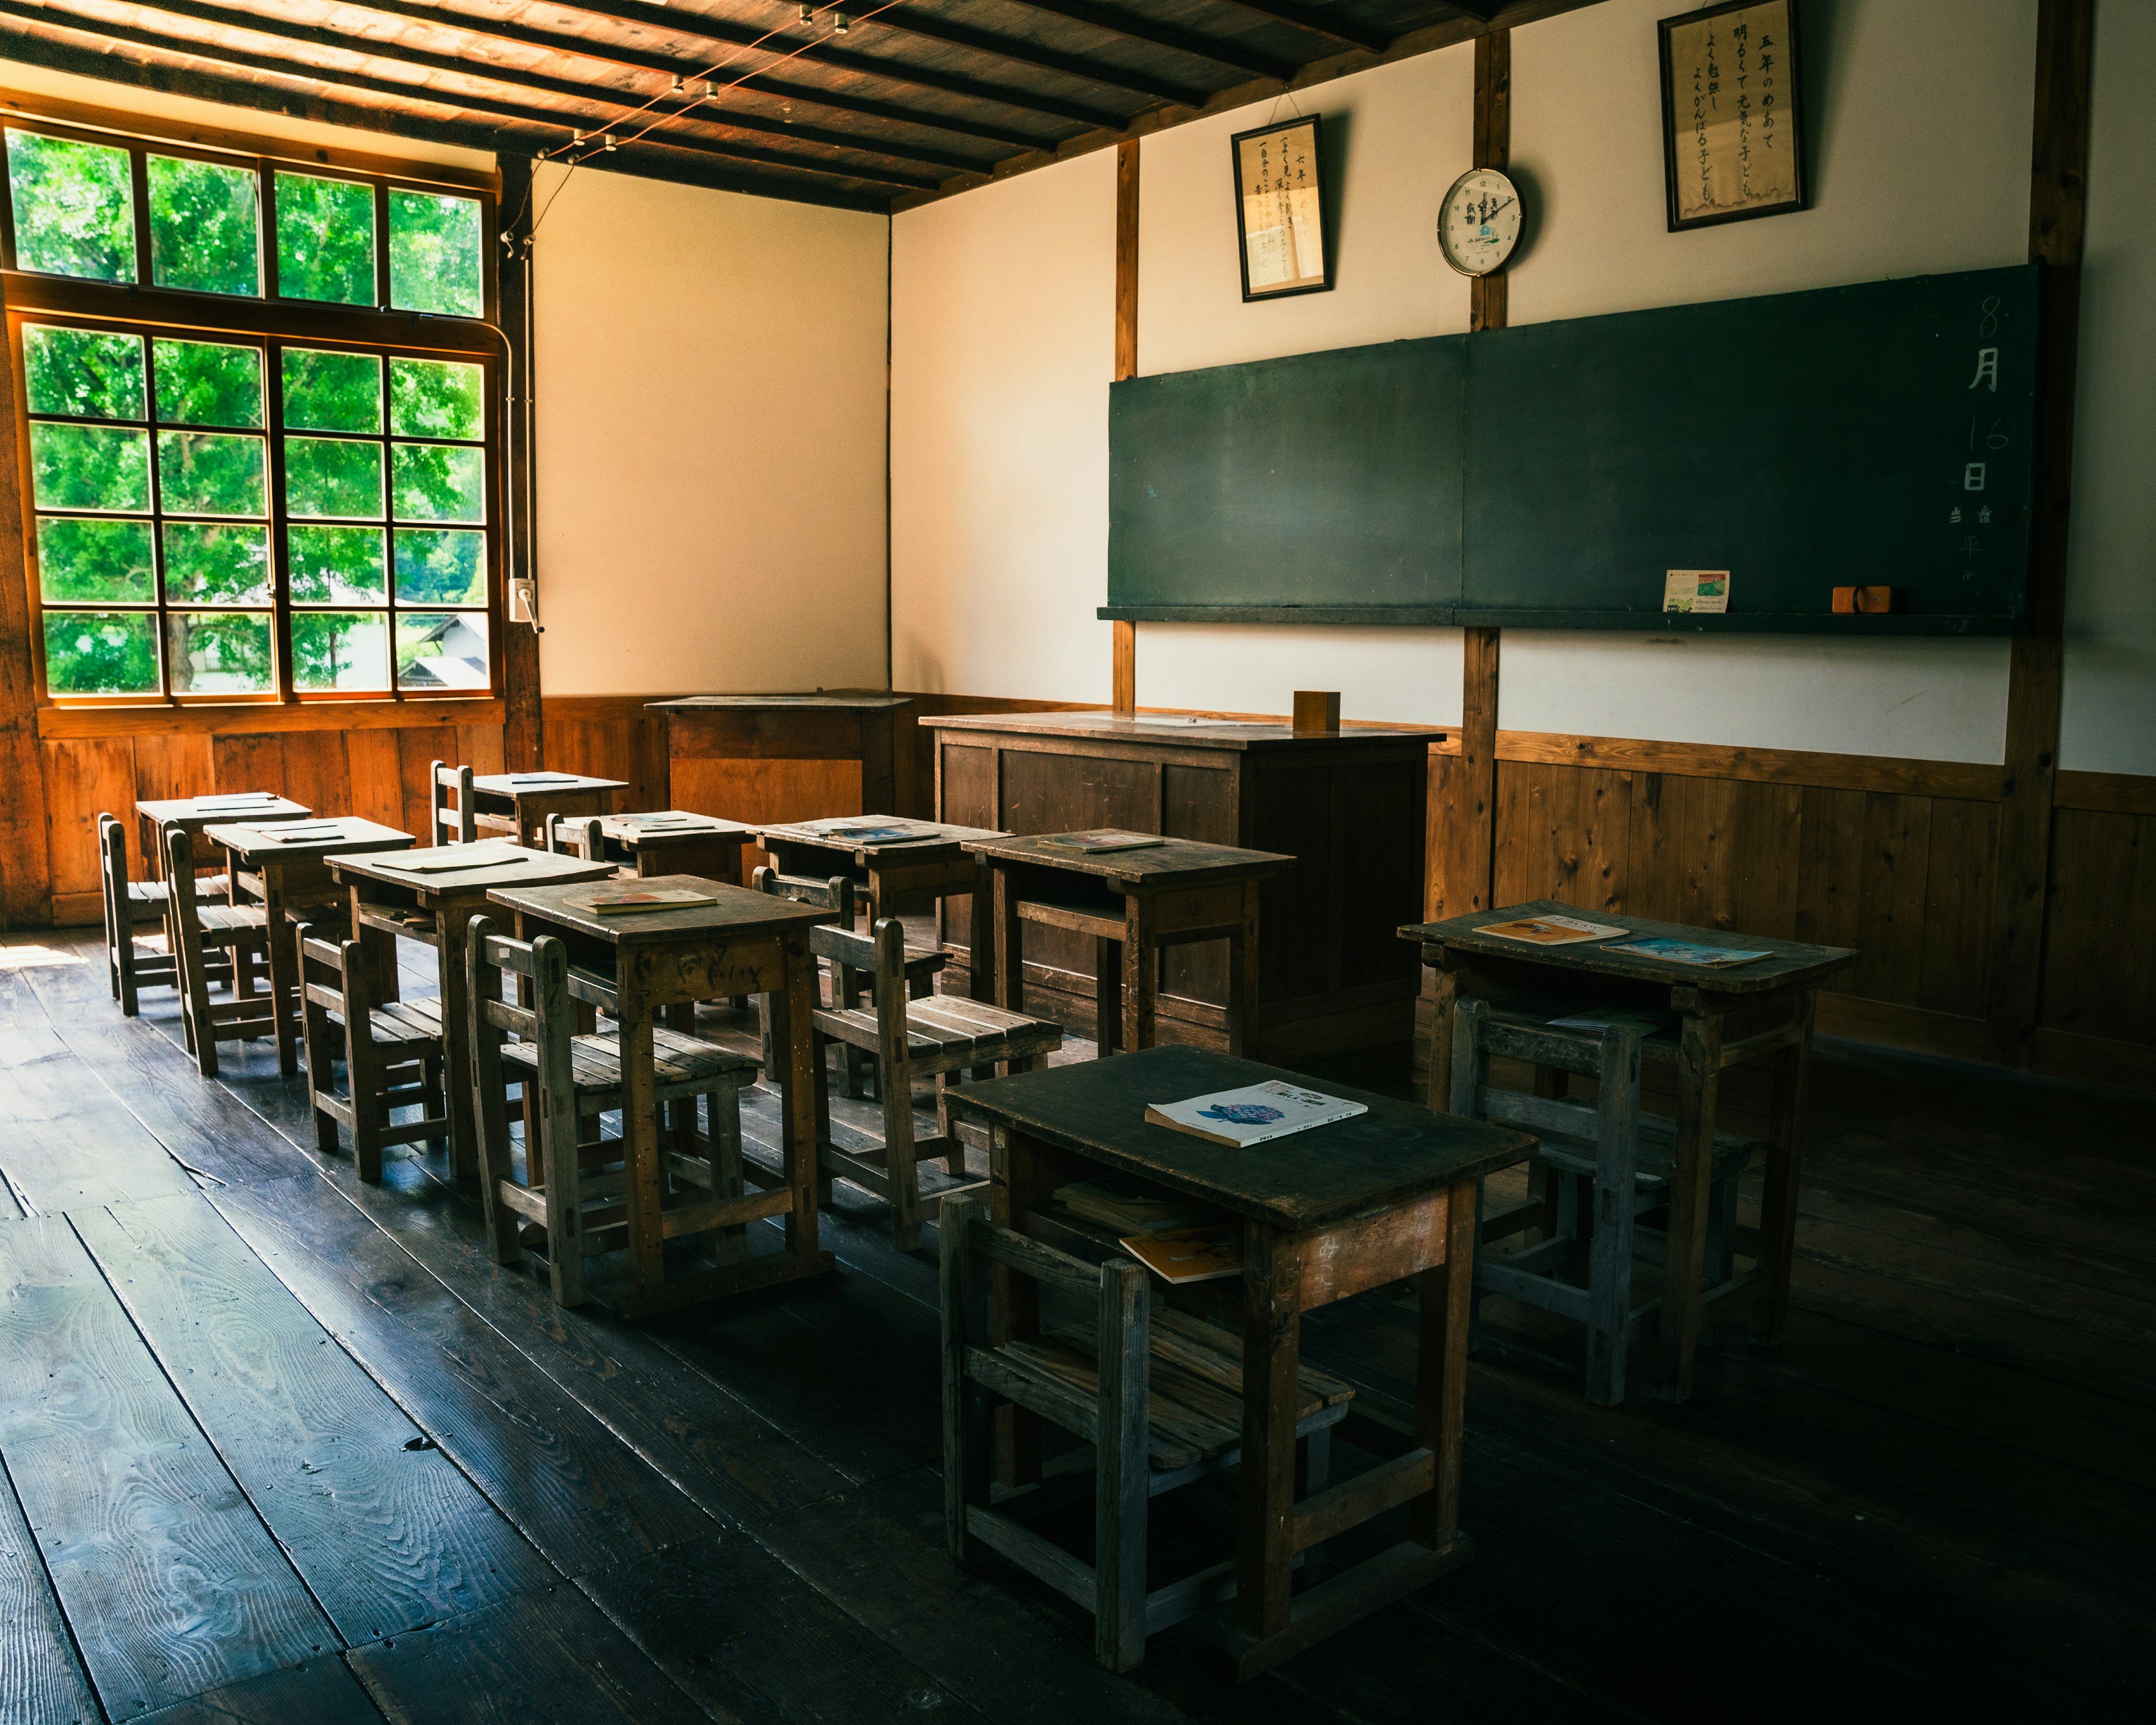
column 1478, row 224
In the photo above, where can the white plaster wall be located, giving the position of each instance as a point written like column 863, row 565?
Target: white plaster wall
column 2108, row 723
column 711, row 396
column 1920, row 114
column 1002, row 342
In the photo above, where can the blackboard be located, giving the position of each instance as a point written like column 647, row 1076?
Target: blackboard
column 1549, row 475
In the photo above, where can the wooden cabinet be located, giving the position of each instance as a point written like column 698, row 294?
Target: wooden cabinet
column 1348, row 805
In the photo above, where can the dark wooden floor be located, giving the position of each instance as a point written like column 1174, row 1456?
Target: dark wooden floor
column 282, row 1447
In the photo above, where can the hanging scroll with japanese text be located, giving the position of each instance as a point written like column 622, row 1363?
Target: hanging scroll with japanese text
column 1280, row 210
column 1731, row 140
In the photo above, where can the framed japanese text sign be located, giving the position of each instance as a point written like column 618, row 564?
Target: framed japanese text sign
column 1280, row 210
column 1733, row 143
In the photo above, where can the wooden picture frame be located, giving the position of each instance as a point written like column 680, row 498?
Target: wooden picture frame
column 1732, row 113
column 1280, row 210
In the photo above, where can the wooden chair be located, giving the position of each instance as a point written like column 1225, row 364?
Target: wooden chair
column 935, row 1037
column 847, row 984
column 1611, row 1163
column 129, row 905
column 393, row 1053
column 241, row 932
column 573, row 1193
column 459, row 820
column 1157, row 1393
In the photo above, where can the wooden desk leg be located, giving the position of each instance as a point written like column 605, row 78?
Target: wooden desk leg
column 798, row 1118
column 1017, row 1181
column 1108, row 995
column 1445, row 1007
column 1699, row 1090
column 1446, row 1297
column 640, row 1137
column 1010, row 946
column 450, row 925
column 1141, row 972
column 982, row 933
column 1778, row 1205
column 1243, row 976
column 1272, row 1322
column 284, row 968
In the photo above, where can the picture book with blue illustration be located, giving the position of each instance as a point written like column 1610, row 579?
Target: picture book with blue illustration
column 1255, row 1114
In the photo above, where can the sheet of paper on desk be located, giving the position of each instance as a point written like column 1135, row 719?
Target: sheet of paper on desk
column 868, row 829
column 1551, row 931
column 295, row 832
column 1255, row 1114
column 1101, row 839
column 654, row 898
column 542, row 779
column 1207, row 1254
column 1670, row 951
column 447, row 859
column 236, row 800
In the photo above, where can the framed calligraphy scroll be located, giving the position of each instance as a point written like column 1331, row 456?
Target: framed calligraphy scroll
column 1280, row 210
column 1732, row 137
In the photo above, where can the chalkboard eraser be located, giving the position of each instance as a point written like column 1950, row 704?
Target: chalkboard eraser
column 1871, row 601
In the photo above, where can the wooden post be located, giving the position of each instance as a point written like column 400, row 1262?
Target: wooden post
column 523, row 740
column 1493, row 148
column 1124, row 678
column 25, row 862
column 2057, row 202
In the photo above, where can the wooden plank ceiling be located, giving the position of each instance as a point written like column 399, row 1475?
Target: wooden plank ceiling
column 868, row 106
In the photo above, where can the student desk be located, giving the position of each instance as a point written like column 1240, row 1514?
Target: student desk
column 1326, row 1214
column 152, row 816
column 680, row 843
column 291, row 872
column 436, row 909
column 635, row 966
column 936, row 864
column 1139, row 901
column 516, row 804
column 1724, row 1016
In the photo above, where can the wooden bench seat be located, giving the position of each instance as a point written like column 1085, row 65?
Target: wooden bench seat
column 683, row 1064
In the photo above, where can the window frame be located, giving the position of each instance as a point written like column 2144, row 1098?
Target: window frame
column 268, row 323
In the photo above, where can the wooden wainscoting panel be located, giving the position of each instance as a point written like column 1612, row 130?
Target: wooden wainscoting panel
column 377, row 792
column 83, row 779
column 767, row 791
column 2098, row 976
column 2118, row 792
column 480, row 747
column 612, row 737
column 1829, row 902
column 248, row 761
column 1894, row 868
column 1955, row 964
column 1796, row 767
column 317, row 771
column 169, row 765
column 417, row 750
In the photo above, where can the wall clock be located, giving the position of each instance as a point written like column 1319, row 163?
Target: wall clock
column 1478, row 224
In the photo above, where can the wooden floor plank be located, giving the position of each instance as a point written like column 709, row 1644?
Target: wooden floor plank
column 573, row 1489
column 170, row 1581
column 64, row 1140
column 41, row 1681
column 751, row 1640
column 320, row 1691
column 385, row 1530
column 549, row 1656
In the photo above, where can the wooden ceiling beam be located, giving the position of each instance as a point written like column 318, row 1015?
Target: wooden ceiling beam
column 569, row 125
column 623, row 99
column 1319, row 22
column 901, row 20
column 1143, row 29
column 563, row 42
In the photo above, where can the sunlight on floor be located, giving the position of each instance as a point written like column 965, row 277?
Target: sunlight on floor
column 33, row 957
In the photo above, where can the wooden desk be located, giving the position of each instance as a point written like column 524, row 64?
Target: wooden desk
column 782, row 757
column 153, row 815
column 1765, row 1007
column 936, row 865
column 516, row 804
column 1349, row 805
column 679, row 844
column 637, row 966
column 1133, row 903
column 436, row 909
column 1326, row 1214
column 291, row 872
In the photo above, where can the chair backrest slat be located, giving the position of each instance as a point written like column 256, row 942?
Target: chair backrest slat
column 459, row 820
column 566, row 835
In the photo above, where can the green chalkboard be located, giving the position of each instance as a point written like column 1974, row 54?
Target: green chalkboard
column 1875, row 435
column 1267, row 483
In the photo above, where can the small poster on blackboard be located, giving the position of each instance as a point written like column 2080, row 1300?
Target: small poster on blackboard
column 1698, row 590
column 1280, row 210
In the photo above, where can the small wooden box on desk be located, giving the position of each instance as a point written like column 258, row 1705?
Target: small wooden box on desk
column 1349, row 805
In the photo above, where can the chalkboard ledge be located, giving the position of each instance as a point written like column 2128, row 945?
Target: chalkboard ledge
column 1783, row 622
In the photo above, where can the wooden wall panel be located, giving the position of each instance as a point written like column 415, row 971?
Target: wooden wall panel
column 2098, row 976
column 83, row 779
column 377, row 792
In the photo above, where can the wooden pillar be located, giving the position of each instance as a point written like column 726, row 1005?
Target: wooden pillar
column 1470, row 846
column 523, row 742
column 2057, row 202
column 25, row 864
column 1124, row 679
